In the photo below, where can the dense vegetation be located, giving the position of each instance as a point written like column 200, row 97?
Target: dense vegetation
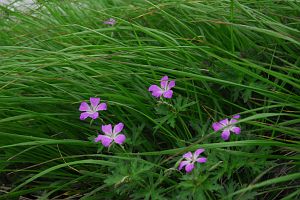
column 227, row 57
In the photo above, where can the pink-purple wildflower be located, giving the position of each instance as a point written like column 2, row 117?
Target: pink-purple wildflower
column 92, row 110
column 111, row 135
column 164, row 89
column 190, row 160
column 227, row 126
column 110, row 21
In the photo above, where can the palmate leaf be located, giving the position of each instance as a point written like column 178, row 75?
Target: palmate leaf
column 172, row 111
column 186, row 194
column 181, row 103
column 162, row 109
column 149, row 194
column 151, row 189
column 169, row 119
column 231, row 186
column 128, row 175
column 196, row 185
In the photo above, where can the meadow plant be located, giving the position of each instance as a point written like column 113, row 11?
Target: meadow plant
column 190, row 159
column 227, row 126
column 227, row 57
column 111, row 135
column 93, row 109
column 164, row 89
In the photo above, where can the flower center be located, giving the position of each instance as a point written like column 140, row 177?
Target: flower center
column 92, row 109
column 113, row 135
column 166, row 87
column 193, row 159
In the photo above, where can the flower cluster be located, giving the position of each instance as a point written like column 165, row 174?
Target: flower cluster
column 227, row 126
column 113, row 134
column 110, row 135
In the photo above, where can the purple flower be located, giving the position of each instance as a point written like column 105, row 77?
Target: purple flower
column 111, row 135
column 227, row 126
column 190, row 159
column 91, row 111
column 164, row 89
column 110, row 21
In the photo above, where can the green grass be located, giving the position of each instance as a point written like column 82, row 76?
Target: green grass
column 227, row 57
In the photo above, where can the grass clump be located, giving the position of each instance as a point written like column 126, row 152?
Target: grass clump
column 227, row 57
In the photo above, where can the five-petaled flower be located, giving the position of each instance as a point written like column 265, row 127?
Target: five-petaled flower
column 164, row 89
column 110, row 21
column 91, row 111
column 190, row 159
column 111, row 135
column 227, row 126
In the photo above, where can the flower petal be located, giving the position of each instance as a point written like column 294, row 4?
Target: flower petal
column 188, row 155
column 217, row 126
column 120, row 139
column 110, row 21
column 225, row 134
column 84, row 115
column 156, row 91
column 164, row 81
column 107, row 129
column 198, row 152
column 84, row 106
column 171, row 84
column 182, row 164
column 236, row 130
column 168, row 94
column 189, row 167
column 101, row 106
column 232, row 121
column 99, row 138
column 94, row 115
column 153, row 88
column 94, row 101
column 118, row 128
column 236, row 116
column 106, row 141
column 201, row 160
column 224, row 122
